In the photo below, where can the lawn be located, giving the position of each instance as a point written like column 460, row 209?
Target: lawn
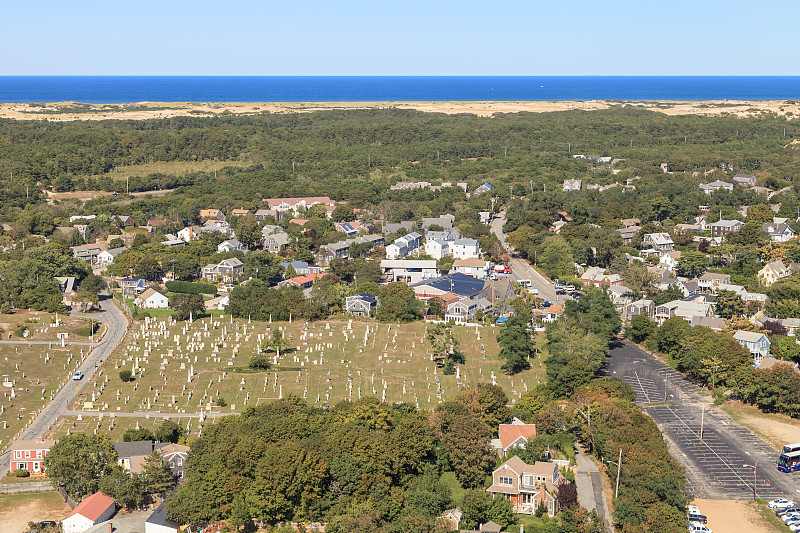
column 114, row 427
column 184, row 368
column 16, row 510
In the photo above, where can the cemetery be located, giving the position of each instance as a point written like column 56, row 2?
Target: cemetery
column 196, row 370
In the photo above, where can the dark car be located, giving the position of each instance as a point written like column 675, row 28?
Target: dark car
column 698, row 518
column 561, row 291
column 547, row 303
column 793, row 509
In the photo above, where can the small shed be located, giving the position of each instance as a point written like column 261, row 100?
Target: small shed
column 159, row 523
column 91, row 511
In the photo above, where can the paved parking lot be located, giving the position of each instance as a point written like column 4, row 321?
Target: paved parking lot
column 714, row 465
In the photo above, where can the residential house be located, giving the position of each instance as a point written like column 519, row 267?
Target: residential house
column 630, row 223
column 360, row 304
column 550, row 314
column 450, row 519
column 350, row 229
column 263, row 214
column 670, row 260
column 639, row 307
column 684, row 309
column 408, row 270
column 445, row 222
column 628, row 234
column 301, row 268
column 464, row 310
column 404, row 246
column 175, row 456
column 241, row 213
column 87, row 218
column 275, row 241
column 745, row 180
column 710, row 281
column 714, row 323
column 391, row 227
column 174, row 243
column 778, row 232
column 527, row 486
column 297, row 205
column 723, row 227
column 597, row 277
column 774, row 271
column 305, row 282
column 91, row 511
column 516, row 434
column 219, row 226
column 482, row 189
column 212, row 213
column 299, row 221
column 132, row 286
column 756, row 342
column 88, row 252
column 67, row 286
column 791, row 324
column 660, row 242
column 437, row 248
column 190, row 233
column 465, row 249
column 709, row 188
column 29, row 455
column 573, row 185
column 477, row 268
column 456, row 283
column 229, row 246
column 151, row 299
column 341, row 249
column 124, row 221
column 158, row 522
column 226, row 270
column 106, row 257
column 485, row 217
column 131, row 455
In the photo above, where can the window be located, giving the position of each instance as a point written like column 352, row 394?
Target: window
column 529, row 480
column 180, row 461
column 38, row 454
column 18, row 454
column 22, row 466
column 502, row 480
column 27, row 454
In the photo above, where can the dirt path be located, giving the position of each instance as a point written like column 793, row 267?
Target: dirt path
column 733, row 516
column 17, row 510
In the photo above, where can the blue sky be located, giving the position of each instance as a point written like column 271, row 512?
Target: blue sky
column 240, row 37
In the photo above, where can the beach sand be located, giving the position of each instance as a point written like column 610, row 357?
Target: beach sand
column 67, row 111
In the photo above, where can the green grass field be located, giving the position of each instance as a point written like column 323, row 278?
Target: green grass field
column 184, row 368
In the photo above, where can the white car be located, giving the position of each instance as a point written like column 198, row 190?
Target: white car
column 780, row 503
column 697, row 527
column 790, row 517
column 794, row 526
column 77, row 376
column 693, row 509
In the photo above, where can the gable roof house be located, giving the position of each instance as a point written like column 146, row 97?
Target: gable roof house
column 131, row 285
column 275, row 241
column 409, row 270
column 661, row 242
column 745, row 180
column 263, row 214
column 106, row 257
column 708, row 188
column 29, row 455
column 465, row 248
column 124, row 221
column 778, row 232
column 395, row 227
column 774, row 271
column 527, row 486
column 684, row 309
column 455, row 283
column 212, row 213
column 517, row 433
column 464, row 310
column 573, row 185
column 477, row 268
column 628, row 234
column 296, row 205
column 646, row 307
column 404, row 246
column 444, row 221
column 723, row 227
column 91, row 511
column 151, row 299
column 756, row 342
column 230, row 245
column 175, row 456
column 711, row 281
column 305, row 282
column 437, row 248
column 360, row 304
column 241, row 212
column 225, row 270
column 482, row 189
column 190, row 233
column 88, row 252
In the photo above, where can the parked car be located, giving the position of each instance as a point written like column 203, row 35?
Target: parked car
column 703, row 519
column 77, row 376
column 547, row 303
column 692, row 509
column 781, row 512
column 697, row 527
column 780, row 503
column 790, row 517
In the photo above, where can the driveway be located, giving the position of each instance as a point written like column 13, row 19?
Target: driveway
column 590, row 487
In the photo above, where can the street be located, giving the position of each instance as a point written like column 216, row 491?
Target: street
column 117, row 325
column 590, row 487
column 522, row 269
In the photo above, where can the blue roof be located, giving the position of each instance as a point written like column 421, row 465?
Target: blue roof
column 457, row 283
column 295, row 265
column 487, row 186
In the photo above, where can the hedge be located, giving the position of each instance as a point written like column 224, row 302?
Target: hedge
column 187, row 287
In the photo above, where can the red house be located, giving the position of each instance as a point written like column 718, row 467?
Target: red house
column 29, row 455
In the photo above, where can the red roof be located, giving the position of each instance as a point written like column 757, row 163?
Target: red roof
column 93, row 506
column 510, row 432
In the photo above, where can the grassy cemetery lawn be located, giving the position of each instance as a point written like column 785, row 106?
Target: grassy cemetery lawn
column 114, row 427
column 30, row 374
column 203, row 367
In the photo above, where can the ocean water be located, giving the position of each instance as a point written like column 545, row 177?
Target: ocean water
column 127, row 89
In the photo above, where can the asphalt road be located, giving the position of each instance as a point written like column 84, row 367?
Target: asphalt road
column 714, row 465
column 117, row 324
column 590, row 487
column 522, row 269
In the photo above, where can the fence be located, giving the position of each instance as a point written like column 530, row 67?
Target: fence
column 42, row 486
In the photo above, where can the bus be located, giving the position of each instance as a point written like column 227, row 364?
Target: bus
column 789, row 448
column 525, row 282
column 789, row 461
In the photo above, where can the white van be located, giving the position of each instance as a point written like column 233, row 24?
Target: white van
column 525, row 282
column 697, row 527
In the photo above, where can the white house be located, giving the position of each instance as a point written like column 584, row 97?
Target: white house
column 91, row 511
column 477, row 268
column 404, row 246
column 709, row 188
column 408, row 270
column 437, row 248
column 778, row 232
column 466, row 249
column 158, row 522
column 229, row 246
column 106, row 257
column 151, row 299
column 190, row 233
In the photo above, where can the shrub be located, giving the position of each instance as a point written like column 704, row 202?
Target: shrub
column 22, row 473
column 222, row 402
column 187, row 287
column 125, row 375
column 22, row 331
